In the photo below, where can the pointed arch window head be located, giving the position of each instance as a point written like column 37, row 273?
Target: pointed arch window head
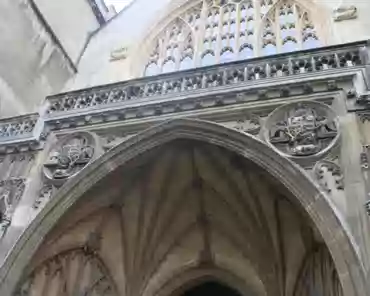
column 219, row 31
column 208, row 58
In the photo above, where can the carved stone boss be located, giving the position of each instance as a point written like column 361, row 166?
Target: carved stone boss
column 303, row 131
column 70, row 155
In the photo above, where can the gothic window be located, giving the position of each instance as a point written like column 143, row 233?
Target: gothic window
column 169, row 66
column 246, row 51
column 227, row 55
column 208, row 58
column 289, row 28
column 152, row 69
column 219, row 31
column 186, row 63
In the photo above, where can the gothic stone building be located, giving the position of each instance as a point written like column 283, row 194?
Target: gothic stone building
column 200, row 147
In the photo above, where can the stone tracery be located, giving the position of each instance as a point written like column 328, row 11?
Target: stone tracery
column 225, row 31
column 75, row 272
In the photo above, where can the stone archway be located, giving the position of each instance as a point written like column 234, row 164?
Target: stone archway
column 230, row 150
column 210, row 288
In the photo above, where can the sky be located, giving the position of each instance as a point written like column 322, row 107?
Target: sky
column 118, row 4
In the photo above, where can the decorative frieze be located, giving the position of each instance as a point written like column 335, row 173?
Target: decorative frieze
column 17, row 127
column 20, row 134
column 303, row 131
column 230, row 76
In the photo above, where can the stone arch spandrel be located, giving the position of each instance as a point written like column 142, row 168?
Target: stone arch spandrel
column 314, row 202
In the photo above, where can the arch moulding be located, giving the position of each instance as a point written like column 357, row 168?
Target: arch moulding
column 306, row 194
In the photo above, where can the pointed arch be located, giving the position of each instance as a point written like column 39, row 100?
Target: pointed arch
column 303, row 191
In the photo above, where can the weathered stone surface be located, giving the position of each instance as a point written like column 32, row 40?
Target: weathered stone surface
column 175, row 184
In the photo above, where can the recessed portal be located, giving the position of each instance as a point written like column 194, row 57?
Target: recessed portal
column 156, row 223
column 211, row 288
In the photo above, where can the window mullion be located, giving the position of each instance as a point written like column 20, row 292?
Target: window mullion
column 258, row 28
column 199, row 42
column 276, row 25
column 299, row 27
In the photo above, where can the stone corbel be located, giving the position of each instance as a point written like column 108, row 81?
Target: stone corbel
column 11, row 191
column 344, row 12
column 119, row 54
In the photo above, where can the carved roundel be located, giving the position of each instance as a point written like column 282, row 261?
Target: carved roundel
column 303, row 131
column 69, row 156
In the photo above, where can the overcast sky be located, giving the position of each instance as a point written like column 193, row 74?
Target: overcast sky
column 118, row 4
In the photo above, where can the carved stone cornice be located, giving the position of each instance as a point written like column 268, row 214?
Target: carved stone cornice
column 201, row 91
column 17, row 127
column 21, row 133
column 224, row 77
column 225, row 98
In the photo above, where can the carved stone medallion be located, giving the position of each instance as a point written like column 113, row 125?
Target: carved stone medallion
column 70, row 155
column 304, row 131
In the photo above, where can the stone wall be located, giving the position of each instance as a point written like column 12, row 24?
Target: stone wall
column 330, row 85
column 139, row 23
column 72, row 21
column 32, row 66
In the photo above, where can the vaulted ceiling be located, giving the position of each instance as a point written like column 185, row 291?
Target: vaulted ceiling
column 186, row 208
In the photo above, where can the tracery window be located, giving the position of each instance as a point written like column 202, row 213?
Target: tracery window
column 219, row 31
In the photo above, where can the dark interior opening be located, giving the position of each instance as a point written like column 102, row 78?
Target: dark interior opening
column 211, row 289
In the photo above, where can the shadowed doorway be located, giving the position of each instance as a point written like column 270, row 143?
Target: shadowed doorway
column 211, row 288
